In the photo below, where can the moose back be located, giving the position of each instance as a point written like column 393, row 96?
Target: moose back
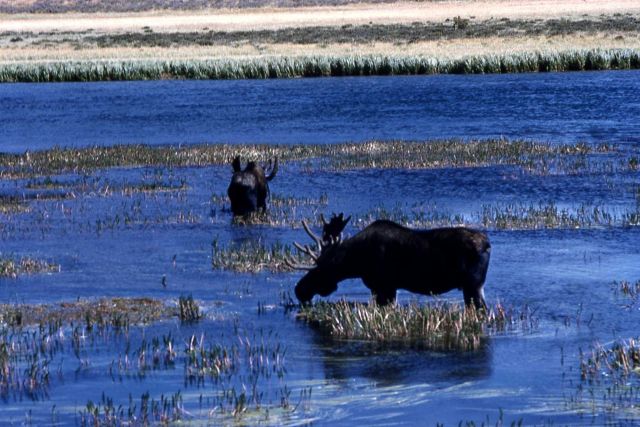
column 388, row 257
column 249, row 187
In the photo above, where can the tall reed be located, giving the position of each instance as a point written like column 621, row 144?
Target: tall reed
column 318, row 66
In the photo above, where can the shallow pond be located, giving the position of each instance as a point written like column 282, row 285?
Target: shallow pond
column 111, row 239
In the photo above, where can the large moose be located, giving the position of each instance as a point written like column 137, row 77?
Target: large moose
column 249, row 188
column 388, row 257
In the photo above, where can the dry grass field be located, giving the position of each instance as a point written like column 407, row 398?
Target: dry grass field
column 37, row 31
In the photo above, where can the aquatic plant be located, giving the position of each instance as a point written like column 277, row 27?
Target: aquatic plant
column 620, row 360
column 189, row 309
column 629, row 289
column 12, row 205
column 12, row 268
column 117, row 312
column 430, row 154
column 264, row 67
column 433, row 326
column 251, row 256
column 545, row 216
column 165, row 411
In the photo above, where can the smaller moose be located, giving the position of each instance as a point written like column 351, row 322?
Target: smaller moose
column 388, row 257
column 249, row 188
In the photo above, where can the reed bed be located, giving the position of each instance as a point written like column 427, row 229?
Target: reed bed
column 251, row 256
column 116, row 312
column 12, row 268
column 440, row 326
column 343, row 156
column 546, row 216
column 514, row 216
column 265, row 67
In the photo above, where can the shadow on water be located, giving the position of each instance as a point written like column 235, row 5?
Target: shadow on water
column 400, row 364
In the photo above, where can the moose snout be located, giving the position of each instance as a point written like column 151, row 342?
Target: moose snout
column 304, row 295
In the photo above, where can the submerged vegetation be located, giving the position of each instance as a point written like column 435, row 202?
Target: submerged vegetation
column 318, row 66
column 439, row 326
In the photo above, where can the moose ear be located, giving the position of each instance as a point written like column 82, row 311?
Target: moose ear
column 236, row 164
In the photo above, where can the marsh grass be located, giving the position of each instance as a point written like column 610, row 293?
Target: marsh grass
column 514, row 216
column 632, row 290
column 251, row 256
column 152, row 187
column 345, row 156
column 12, row 268
column 547, row 216
column 116, row 312
column 167, row 410
column 438, row 326
column 189, row 309
column 276, row 66
column 275, row 201
column 13, row 205
column 616, row 363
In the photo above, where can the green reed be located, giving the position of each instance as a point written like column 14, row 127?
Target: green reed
column 318, row 66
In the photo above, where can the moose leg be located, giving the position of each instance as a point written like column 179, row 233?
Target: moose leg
column 474, row 295
column 384, row 296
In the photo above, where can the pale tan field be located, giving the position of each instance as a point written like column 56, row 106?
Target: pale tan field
column 447, row 49
column 358, row 14
column 70, row 25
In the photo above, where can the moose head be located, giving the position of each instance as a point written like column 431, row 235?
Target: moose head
column 320, row 281
column 249, row 188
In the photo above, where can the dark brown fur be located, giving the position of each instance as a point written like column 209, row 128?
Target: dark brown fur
column 388, row 257
column 249, row 188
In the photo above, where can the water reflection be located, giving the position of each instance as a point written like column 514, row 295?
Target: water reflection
column 401, row 364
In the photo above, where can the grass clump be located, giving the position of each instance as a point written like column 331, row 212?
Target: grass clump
column 629, row 289
column 251, row 256
column 619, row 364
column 12, row 268
column 12, row 205
column 116, row 312
column 165, row 411
column 189, row 310
column 439, row 326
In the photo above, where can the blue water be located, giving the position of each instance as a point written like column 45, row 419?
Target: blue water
column 556, row 107
column 566, row 276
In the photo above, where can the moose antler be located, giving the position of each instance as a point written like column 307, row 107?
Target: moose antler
column 331, row 235
column 332, row 230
